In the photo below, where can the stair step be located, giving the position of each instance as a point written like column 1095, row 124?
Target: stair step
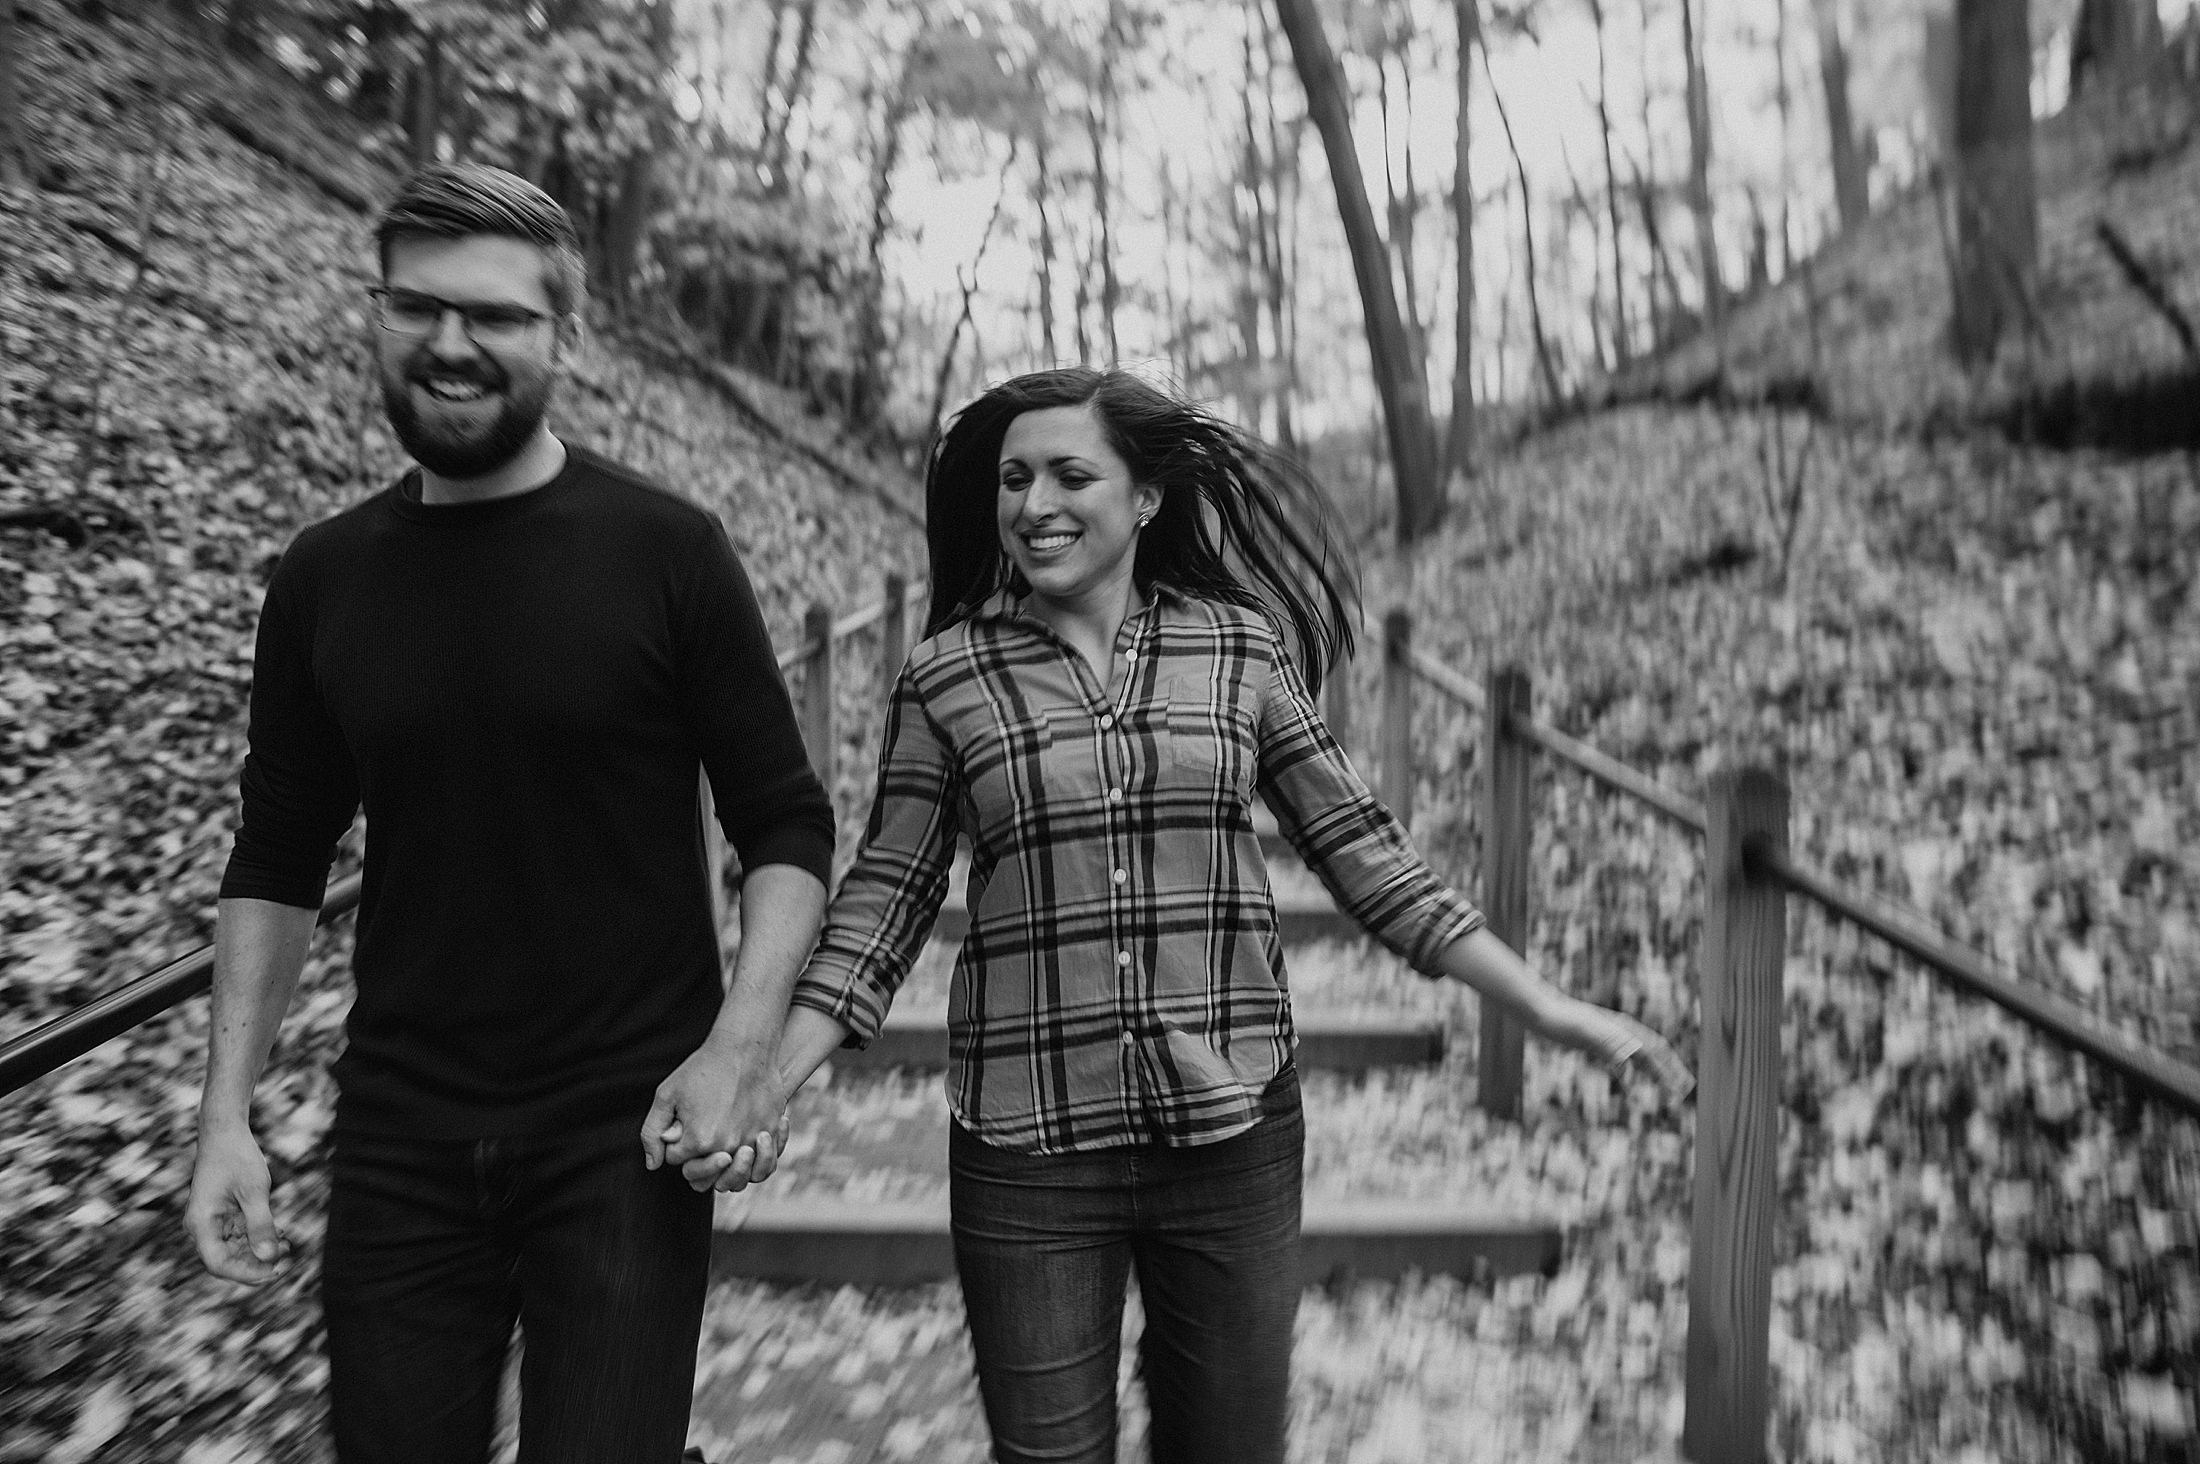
column 907, row 1243
column 1333, row 1041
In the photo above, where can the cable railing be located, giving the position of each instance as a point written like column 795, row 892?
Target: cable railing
column 1749, row 872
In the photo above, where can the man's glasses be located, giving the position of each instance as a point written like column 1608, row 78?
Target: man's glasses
column 491, row 325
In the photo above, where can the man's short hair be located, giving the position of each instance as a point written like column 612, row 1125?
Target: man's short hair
column 454, row 200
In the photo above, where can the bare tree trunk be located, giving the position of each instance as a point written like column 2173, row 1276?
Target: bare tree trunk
column 1459, row 433
column 1403, row 205
column 867, row 381
column 1785, row 104
column 1398, row 377
column 1544, row 366
column 1046, row 254
column 1582, row 209
column 1253, row 236
column 1664, row 280
column 1997, row 213
column 1621, row 346
column 2112, row 43
column 1851, row 182
column 18, row 164
column 628, row 224
column 969, row 284
column 1080, row 302
column 1099, row 117
column 1176, row 242
column 767, row 104
column 1281, row 251
column 427, row 100
column 798, row 82
column 1699, row 172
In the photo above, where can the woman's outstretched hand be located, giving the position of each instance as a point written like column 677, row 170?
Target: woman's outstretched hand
column 1621, row 1043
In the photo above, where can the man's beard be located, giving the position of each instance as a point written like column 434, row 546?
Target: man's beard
column 470, row 452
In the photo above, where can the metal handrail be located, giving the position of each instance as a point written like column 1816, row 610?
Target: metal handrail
column 1907, row 930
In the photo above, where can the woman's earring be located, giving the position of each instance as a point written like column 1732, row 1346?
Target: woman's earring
column 1144, row 519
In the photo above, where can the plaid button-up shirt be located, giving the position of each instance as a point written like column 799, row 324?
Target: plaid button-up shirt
column 1123, row 979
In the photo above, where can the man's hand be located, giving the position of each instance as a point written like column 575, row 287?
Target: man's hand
column 720, row 1116
column 228, row 1214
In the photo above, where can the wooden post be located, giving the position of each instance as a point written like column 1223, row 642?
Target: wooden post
column 893, row 635
column 817, row 692
column 1507, row 840
column 1737, row 1125
column 1398, row 715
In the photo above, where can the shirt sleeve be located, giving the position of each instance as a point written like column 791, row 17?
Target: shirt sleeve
column 883, row 914
column 300, row 788
column 1344, row 834
column 769, row 800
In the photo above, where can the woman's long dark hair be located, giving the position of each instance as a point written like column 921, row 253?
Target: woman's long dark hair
column 1239, row 522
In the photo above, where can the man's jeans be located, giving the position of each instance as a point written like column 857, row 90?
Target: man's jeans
column 434, row 1247
column 1044, row 1243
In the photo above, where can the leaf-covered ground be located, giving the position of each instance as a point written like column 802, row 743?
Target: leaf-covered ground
column 1979, row 671
column 1979, row 675
column 192, row 415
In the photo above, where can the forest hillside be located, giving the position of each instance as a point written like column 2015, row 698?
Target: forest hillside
column 184, row 383
column 2106, row 354
column 1977, row 660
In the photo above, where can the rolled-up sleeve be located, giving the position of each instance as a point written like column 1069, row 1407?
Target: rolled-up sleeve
column 884, row 911
column 1361, row 853
column 300, row 789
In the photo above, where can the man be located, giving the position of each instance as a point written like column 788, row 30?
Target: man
column 515, row 660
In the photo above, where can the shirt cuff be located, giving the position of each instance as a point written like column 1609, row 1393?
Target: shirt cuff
column 845, row 1004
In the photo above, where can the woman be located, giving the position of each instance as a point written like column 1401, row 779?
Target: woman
column 1131, row 604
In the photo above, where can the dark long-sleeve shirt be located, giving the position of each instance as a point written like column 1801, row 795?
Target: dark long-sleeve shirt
column 1123, row 979
column 519, row 693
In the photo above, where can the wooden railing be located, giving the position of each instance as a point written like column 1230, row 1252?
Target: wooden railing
column 1747, row 875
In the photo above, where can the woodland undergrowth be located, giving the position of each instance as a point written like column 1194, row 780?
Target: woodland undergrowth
column 1977, row 665
column 1977, row 671
column 184, row 383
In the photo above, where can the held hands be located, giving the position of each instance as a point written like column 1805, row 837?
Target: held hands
column 721, row 1117
column 228, row 1215
column 1621, row 1043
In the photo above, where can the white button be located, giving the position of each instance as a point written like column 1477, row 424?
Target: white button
column 1122, row 958
column 1130, row 656
column 1127, row 1039
column 1107, row 720
column 1115, row 795
column 1122, row 875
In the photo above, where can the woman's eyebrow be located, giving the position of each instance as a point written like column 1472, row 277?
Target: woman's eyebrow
column 1058, row 460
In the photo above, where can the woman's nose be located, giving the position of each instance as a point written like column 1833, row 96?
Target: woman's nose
column 1040, row 497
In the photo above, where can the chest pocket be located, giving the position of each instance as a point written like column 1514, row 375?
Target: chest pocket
column 1003, row 767
column 1208, row 740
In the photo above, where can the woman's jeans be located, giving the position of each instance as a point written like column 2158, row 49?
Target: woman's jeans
column 435, row 1247
column 1044, row 1242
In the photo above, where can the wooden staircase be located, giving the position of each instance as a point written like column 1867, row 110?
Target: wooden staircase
column 881, row 1132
